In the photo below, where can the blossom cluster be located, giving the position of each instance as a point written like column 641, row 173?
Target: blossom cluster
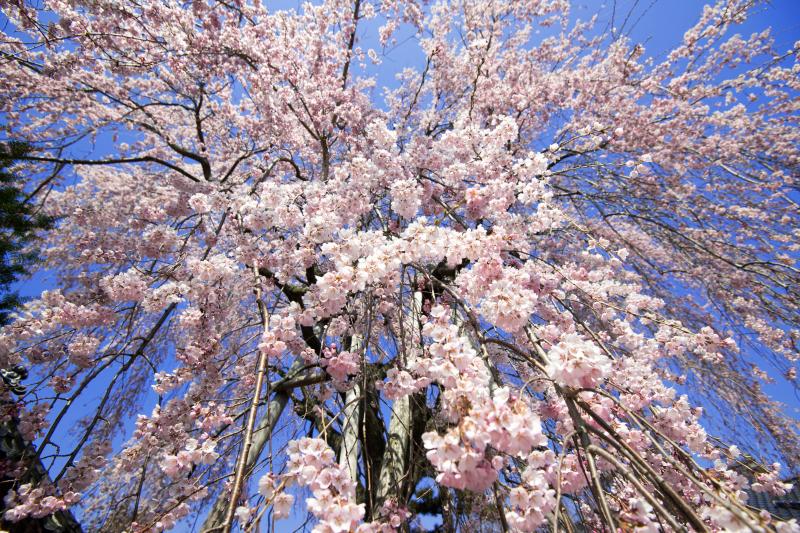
column 312, row 463
column 577, row 363
column 340, row 365
column 38, row 502
column 193, row 453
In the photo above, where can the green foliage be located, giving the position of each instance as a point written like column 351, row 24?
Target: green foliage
column 19, row 224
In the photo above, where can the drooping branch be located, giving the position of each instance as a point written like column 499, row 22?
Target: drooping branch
column 241, row 471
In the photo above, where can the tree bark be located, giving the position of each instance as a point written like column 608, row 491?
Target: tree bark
column 396, row 456
column 349, row 452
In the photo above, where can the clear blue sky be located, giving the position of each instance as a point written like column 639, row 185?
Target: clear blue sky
column 657, row 24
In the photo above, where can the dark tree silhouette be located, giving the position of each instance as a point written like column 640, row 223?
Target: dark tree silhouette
column 19, row 222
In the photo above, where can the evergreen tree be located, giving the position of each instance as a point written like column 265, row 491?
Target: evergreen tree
column 19, row 222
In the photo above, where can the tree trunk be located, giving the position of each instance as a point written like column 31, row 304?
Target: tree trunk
column 396, row 457
column 348, row 453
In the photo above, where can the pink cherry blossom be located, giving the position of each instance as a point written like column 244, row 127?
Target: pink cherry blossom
column 365, row 259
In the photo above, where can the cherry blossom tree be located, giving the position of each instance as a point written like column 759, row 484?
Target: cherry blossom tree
column 502, row 292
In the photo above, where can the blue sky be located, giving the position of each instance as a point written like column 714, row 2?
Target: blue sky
column 659, row 25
